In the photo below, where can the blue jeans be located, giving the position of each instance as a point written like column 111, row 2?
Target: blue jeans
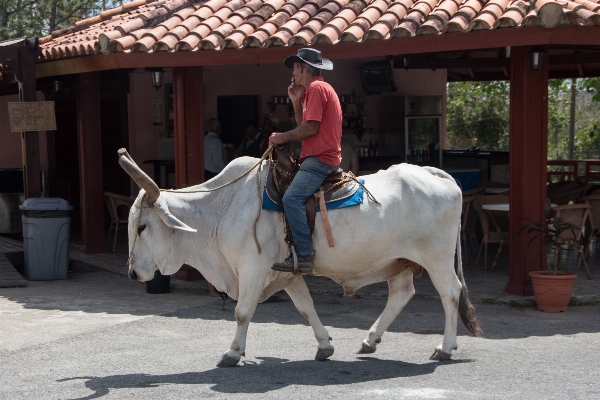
column 311, row 175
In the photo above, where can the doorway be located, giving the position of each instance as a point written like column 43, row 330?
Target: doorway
column 234, row 112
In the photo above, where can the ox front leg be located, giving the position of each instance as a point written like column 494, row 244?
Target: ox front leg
column 300, row 295
column 250, row 291
column 401, row 291
column 449, row 287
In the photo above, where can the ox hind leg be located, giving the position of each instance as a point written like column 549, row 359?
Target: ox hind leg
column 401, row 291
column 300, row 295
column 251, row 287
column 448, row 286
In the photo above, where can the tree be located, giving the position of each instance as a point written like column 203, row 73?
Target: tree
column 41, row 17
column 477, row 115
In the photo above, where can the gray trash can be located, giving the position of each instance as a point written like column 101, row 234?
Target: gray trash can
column 46, row 228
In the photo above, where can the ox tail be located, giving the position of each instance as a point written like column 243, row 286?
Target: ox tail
column 465, row 307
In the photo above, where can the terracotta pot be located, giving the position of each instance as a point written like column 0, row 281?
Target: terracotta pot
column 552, row 292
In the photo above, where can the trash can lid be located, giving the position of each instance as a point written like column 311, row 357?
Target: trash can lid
column 45, row 203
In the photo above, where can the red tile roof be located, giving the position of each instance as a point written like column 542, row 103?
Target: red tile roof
column 187, row 25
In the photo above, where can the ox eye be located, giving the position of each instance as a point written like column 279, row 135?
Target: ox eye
column 141, row 229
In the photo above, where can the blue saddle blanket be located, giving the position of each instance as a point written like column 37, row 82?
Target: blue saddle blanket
column 354, row 200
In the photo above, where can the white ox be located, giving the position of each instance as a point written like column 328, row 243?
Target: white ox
column 417, row 221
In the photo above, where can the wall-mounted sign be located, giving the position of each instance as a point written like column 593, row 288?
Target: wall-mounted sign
column 32, row 116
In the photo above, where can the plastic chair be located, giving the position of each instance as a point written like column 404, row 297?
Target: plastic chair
column 495, row 230
column 576, row 214
column 118, row 208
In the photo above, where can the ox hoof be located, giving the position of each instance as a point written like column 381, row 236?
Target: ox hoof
column 228, row 361
column 324, row 354
column 440, row 355
column 366, row 348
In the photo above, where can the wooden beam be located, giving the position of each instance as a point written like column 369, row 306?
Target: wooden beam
column 90, row 162
column 30, row 142
column 8, row 53
column 194, row 125
column 528, row 165
column 179, row 127
column 452, row 63
column 575, row 58
column 188, row 110
column 78, row 65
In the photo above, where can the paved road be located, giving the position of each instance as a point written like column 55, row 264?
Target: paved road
column 99, row 335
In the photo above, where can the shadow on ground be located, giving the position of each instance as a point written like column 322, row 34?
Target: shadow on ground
column 268, row 375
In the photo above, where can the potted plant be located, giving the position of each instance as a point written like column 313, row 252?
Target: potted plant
column 552, row 288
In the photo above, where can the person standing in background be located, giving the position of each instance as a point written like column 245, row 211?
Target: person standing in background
column 349, row 157
column 252, row 143
column 215, row 157
column 270, row 125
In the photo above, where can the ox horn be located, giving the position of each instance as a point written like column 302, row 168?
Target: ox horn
column 139, row 176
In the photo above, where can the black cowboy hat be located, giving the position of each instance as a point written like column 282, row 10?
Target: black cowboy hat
column 311, row 57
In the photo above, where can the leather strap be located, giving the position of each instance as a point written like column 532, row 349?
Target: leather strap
column 321, row 197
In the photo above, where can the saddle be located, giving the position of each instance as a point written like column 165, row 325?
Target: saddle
column 336, row 186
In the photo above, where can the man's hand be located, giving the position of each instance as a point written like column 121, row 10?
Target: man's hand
column 295, row 91
column 277, row 138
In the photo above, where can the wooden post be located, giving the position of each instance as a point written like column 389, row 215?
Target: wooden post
column 528, row 165
column 90, row 162
column 188, row 107
column 179, row 127
column 30, row 140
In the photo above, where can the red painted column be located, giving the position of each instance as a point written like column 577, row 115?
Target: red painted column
column 194, row 125
column 528, row 159
column 179, row 127
column 188, row 108
column 90, row 162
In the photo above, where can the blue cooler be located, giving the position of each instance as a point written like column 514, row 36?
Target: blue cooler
column 465, row 178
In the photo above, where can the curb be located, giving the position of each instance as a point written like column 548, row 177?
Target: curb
column 527, row 302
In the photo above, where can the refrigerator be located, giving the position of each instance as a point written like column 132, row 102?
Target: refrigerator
column 423, row 130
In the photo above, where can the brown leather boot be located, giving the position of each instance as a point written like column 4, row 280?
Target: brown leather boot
column 305, row 264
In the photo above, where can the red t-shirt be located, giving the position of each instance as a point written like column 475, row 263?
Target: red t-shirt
column 321, row 103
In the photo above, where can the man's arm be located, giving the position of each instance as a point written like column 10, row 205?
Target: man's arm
column 301, row 132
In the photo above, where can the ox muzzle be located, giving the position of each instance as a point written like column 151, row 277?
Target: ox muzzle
column 132, row 275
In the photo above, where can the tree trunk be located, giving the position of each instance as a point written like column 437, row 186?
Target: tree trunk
column 52, row 22
column 572, row 118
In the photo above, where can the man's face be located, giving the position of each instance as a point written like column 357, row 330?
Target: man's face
column 298, row 73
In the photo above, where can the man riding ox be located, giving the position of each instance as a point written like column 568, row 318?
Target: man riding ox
column 218, row 228
column 317, row 107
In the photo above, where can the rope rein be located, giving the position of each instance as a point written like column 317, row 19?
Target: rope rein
column 266, row 156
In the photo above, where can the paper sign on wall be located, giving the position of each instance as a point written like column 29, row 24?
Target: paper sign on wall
column 32, row 116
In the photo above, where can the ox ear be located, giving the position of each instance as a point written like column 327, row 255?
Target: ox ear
column 171, row 221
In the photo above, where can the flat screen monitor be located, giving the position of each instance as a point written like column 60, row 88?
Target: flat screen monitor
column 377, row 77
